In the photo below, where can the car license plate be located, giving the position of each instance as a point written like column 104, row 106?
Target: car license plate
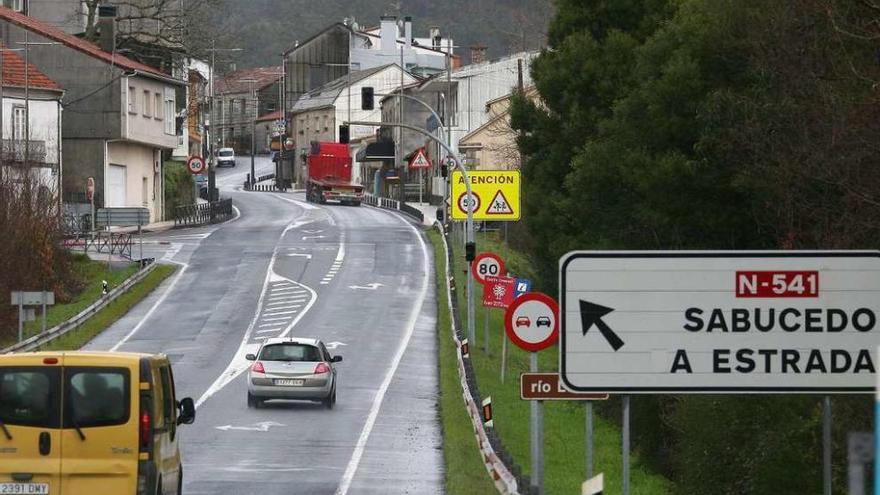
column 24, row 488
column 290, row 383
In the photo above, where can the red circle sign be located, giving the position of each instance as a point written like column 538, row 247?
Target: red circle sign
column 532, row 321
column 486, row 264
column 195, row 165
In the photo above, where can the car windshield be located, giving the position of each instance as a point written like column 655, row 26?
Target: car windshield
column 290, row 352
column 226, row 153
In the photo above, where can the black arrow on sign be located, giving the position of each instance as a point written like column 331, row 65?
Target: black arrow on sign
column 591, row 314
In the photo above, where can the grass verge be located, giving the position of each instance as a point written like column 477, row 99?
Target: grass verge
column 115, row 310
column 564, row 422
column 92, row 273
column 465, row 473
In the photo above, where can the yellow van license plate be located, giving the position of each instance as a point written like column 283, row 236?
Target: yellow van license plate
column 24, row 488
column 290, row 383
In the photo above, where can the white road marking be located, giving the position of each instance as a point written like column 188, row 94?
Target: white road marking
column 285, row 318
column 274, row 329
column 373, row 286
column 301, row 255
column 313, row 231
column 334, row 345
column 152, row 309
column 262, row 426
column 278, row 313
column 353, row 464
column 275, row 325
column 307, row 237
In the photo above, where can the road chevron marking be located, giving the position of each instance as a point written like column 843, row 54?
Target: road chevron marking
column 239, row 363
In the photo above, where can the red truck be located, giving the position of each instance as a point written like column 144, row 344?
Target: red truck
column 330, row 175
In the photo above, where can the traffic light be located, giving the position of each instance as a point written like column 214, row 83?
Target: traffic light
column 344, row 136
column 470, row 251
column 367, row 102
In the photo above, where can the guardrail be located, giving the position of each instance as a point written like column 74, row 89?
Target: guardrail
column 41, row 339
column 264, row 188
column 205, row 213
column 505, row 473
column 393, row 204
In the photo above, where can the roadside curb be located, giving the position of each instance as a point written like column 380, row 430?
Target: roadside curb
column 55, row 332
column 505, row 480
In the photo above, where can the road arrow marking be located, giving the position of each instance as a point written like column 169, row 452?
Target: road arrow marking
column 307, row 237
column 262, row 426
column 313, row 231
column 591, row 314
column 306, row 256
column 334, row 345
column 372, row 286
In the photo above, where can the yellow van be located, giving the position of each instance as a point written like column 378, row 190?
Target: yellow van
column 77, row 423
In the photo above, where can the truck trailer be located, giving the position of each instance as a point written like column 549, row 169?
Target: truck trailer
column 329, row 175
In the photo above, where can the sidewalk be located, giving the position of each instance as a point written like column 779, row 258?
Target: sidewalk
column 428, row 210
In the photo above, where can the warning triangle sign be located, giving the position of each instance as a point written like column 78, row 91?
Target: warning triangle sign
column 499, row 205
column 420, row 160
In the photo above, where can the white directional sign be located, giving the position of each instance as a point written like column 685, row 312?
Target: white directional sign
column 719, row 322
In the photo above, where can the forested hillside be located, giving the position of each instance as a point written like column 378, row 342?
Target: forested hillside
column 266, row 28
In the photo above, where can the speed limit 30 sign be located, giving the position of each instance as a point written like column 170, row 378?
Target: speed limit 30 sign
column 487, row 264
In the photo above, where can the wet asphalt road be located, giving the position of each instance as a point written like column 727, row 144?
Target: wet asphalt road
column 358, row 278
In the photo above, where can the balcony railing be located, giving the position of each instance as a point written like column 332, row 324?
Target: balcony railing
column 14, row 151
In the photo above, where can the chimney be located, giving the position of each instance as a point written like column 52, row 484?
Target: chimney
column 107, row 23
column 435, row 37
column 388, row 33
column 407, row 32
column 478, row 54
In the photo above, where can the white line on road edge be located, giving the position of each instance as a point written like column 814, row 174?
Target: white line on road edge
column 352, row 467
column 152, row 309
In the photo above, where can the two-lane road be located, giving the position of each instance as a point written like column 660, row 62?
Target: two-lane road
column 358, row 278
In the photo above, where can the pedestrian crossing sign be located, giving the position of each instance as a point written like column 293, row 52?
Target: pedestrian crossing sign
column 498, row 189
column 420, row 160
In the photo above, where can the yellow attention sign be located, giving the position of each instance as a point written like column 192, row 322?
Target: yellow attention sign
column 495, row 198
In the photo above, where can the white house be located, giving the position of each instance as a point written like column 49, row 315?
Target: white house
column 317, row 115
column 36, row 146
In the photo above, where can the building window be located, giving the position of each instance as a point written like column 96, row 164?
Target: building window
column 132, row 100
column 158, row 104
column 169, row 113
column 18, row 116
column 146, row 104
column 18, row 5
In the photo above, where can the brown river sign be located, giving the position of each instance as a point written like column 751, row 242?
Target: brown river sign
column 546, row 386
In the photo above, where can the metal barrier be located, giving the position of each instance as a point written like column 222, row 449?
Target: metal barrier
column 205, row 213
column 393, row 204
column 263, row 187
column 53, row 333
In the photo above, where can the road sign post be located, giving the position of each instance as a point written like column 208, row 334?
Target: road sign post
column 23, row 299
column 532, row 323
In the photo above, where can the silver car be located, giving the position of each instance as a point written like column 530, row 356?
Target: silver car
column 294, row 369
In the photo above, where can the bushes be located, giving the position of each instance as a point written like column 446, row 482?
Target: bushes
column 179, row 187
column 31, row 256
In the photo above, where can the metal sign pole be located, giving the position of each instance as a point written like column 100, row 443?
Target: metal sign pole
column 504, row 356
column 486, row 332
column 588, row 406
column 826, row 445
column 537, row 429
column 20, row 317
column 625, row 445
column 44, row 309
column 141, row 239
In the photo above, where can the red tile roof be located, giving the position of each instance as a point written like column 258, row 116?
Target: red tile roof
column 270, row 117
column 237, row 82
column 79, row 44
column 13, row 73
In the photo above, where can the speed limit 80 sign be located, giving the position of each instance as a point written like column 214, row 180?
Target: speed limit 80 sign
column 487, row 264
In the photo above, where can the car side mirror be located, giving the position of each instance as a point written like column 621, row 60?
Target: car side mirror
column 187, row 412
column 336, row 359
column 251, row 357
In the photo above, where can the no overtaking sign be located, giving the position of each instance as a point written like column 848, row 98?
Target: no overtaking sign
column 709, row 322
